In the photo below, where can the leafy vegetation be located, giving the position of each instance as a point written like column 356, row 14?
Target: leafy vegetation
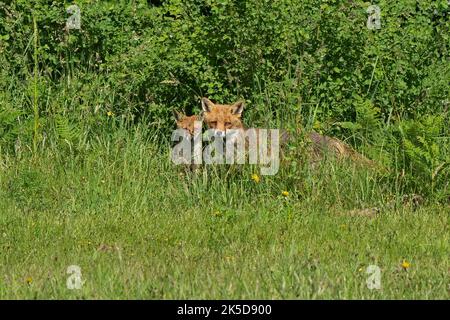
column 85, row 123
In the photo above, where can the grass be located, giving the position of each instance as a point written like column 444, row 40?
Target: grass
column 141, row 228
column 81, row 189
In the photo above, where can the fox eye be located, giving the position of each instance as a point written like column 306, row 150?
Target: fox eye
column 213, row 123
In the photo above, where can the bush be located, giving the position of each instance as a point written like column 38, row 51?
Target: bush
column 140, row 59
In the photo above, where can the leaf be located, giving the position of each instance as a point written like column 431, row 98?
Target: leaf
column 350, row 125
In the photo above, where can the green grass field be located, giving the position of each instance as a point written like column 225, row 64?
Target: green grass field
column 91, row 207
column 141, row 228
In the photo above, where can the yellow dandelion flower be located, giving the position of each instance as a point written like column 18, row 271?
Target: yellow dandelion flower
column 256, row 178
column 285, row 193
column 316, row 125
column 110, row 113
column 29, row 280
column 405, row 264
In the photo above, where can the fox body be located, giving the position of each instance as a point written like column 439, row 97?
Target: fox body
column 226, row 117
column 225, row 120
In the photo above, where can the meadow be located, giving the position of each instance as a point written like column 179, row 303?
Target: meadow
column 86, row 178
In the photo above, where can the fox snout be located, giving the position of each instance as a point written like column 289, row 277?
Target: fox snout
column 219, row 133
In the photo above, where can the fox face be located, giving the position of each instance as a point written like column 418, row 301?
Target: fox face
column 185, row 122
column 222, row 117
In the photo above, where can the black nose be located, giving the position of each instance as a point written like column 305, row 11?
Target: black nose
column 219, row 134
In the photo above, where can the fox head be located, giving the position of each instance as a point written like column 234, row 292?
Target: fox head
column 222, row 117
column 185, row 122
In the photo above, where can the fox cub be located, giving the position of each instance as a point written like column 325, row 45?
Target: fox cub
column 185, row 122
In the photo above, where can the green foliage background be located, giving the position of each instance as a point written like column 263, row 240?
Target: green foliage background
column 385, row 91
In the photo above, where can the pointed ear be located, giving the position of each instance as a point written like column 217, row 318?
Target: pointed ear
column 178, row 116
column 206, row 105
column 237, row 108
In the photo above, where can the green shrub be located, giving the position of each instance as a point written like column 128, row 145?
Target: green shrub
column 312, row 61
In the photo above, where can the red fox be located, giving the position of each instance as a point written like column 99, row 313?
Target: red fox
column 225, row 117
column 214, row 152
column 185, row 122
column 191, row 130
column 222, row 117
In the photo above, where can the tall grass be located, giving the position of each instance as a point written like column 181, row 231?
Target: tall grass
column 140, row 227
column 103, row 194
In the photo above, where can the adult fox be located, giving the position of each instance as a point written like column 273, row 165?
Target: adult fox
column 223, row 117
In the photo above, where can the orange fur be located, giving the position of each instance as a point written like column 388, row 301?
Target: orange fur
column 186, row 122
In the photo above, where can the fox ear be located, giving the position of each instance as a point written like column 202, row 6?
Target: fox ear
column 178, row 116
column 206, row 105
column 237, row 108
